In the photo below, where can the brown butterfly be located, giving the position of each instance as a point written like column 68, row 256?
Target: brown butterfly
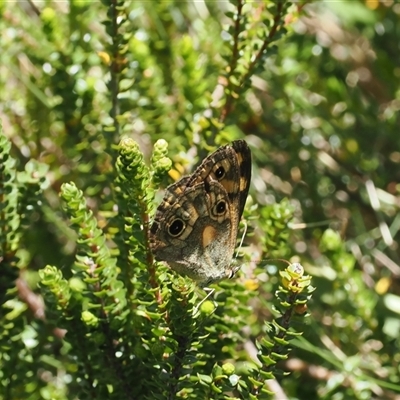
column 196, row 224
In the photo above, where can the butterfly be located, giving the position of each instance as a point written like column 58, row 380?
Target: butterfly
column 196, row 225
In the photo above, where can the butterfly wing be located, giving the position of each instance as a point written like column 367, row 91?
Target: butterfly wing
column 230, row 165
column 196, row 224
column 191, row 232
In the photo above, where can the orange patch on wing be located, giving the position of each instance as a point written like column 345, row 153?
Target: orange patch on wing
column 209, row 234
column 229, row 185
column 243, row 183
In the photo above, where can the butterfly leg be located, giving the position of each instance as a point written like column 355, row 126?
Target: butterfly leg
column 209, row 292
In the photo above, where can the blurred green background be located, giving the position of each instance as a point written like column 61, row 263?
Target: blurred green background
column 320, row 113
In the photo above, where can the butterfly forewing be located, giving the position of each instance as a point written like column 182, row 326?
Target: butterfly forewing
column 231, row 166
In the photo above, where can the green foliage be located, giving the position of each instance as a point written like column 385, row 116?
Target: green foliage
column 20, row 193
column 103, row 103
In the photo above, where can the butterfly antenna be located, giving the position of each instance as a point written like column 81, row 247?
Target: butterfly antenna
column 277, row 259
column 242, row 239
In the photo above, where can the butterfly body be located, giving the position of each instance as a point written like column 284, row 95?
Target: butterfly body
column 196, row 224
